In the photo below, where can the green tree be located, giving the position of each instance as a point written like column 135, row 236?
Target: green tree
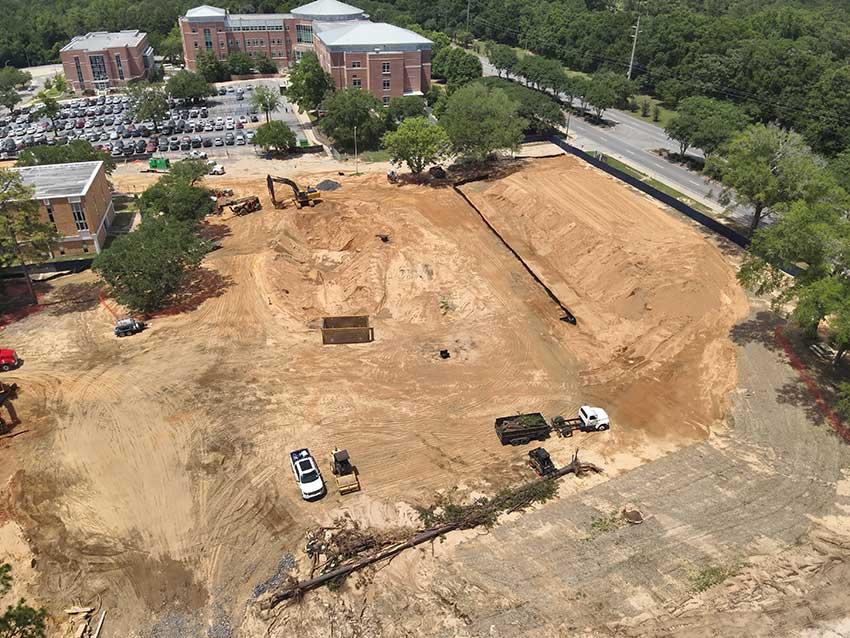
column 479, row 121
column 211, row 68
column 239, row 63
column 705, row 123
column 502, row 57
column 23, row 236
column 185, row 85
column 309, row 83
column 188, row 171
column 20, row 620
column 352, row 108
column 457, row 67
column 765, row 168
column 418, row 143
column 149, row 103
column 265, row 99
column 815, row 236
column 146, row 268
column 74, row 151
column 61, row 84
column 275, row 135
column 175, row 198
column 542, row 113
column 601, row 94
column 829, row 97
column 9, row 97
column 50, row 109
column 264, row 64
column 171, row 46
column 401, row 108
column 14, row 78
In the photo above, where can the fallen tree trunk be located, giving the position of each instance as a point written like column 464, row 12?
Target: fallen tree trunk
column 296, row 591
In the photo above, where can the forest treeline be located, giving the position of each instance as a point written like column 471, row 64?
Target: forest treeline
column 784, row 62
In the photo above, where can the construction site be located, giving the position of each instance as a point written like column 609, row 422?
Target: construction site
column 383, row 328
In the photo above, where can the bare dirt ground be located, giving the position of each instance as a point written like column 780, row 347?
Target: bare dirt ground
column 153, row 479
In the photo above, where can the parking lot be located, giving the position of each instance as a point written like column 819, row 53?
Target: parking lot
column 220, row 126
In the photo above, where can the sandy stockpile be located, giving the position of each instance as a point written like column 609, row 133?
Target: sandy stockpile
column 654, row 299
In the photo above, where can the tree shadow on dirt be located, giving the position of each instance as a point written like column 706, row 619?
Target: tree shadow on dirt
column 80, row 297
column 214, row 232
column 201, row 284
column 761, row 329
column 796, row 393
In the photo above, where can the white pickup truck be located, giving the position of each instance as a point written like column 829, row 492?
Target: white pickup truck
column 307, row 474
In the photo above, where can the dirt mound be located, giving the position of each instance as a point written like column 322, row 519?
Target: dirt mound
column 652, row 296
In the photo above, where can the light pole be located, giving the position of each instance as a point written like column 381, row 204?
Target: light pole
column 356, row 168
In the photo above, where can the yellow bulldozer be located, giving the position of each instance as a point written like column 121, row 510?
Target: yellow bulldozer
column 345, row 472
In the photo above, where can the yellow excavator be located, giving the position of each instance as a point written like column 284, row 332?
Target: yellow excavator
column 302, row 198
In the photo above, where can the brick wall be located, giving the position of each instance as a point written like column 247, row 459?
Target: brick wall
column 132, row 63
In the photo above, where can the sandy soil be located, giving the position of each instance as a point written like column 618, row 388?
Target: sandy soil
column 654, row 299
column 153, row 477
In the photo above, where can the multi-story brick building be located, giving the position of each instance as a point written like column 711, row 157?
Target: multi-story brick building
column 381, row 58
column 77, row 199
column 101, row 60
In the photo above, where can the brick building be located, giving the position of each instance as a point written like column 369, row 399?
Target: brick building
column 381, row 58
column 102, row 60
column 77, row 199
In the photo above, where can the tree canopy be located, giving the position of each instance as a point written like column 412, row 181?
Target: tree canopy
column 705, row 123
column 275, row 135
column 767, row 168
column 185, row 85
column 74, row 151
column 309, row 83
column 176, row 196
column 23, row 235
column 149, row 103
column 211, row 68
column 265, row 99
column 480, row 120
column 20, row 620
column 350, row 108
column 541, row 112
column 417, row 142
column 456, row 66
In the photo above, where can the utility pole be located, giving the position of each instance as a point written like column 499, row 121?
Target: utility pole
column 634, row 46
column 356, row 168
column 468, row 2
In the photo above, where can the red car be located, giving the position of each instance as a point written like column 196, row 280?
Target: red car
column 8, row 360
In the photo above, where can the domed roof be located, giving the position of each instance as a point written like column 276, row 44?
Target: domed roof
column 328, row 10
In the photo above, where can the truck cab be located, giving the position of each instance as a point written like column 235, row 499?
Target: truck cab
column 593, row 419
column 307, row 474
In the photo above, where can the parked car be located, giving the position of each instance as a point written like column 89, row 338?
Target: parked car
column 218, row 142
column 128, row 326
column 307, row 474
column 207, row 142
column 216, row 169
column 240, row 140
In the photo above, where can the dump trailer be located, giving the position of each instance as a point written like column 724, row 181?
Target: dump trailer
column 346, row 474
column 243, row 205
column 589, row 419
column 302, row 198
column 522, row 428
column 541, row 462
column 158, row 165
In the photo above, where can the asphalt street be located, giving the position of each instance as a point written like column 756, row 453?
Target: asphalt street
column 633, row 141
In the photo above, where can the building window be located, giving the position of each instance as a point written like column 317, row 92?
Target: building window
column 207, row 39
column 119, row 66
column 49, row 208
column 386, row 85
column 196, row 44
column 79, row 216
column 356, row 83
column 385, row 99
column 385, row 67
column 355, row 64
column 194, row 29
column 304, row 33
column 98, row 68
column 79, row 70
column 85, row 248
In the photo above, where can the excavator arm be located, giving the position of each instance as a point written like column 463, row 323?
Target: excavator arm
column 302, row 198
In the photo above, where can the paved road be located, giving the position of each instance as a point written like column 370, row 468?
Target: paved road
column 632, row 141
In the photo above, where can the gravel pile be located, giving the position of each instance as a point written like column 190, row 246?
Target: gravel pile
column 328, row 185
column 286, row 565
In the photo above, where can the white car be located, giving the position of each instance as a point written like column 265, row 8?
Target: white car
column 243, row 119
column 307, row 474
column 216, row 169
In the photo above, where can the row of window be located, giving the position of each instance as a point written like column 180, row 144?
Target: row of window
column 357, row 83
column 78, row 213
column 385, row 66
column 269, row 27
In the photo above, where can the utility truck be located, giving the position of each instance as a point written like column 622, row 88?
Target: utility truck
column 589, row 419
